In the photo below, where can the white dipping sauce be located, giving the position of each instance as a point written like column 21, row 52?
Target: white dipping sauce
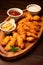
column 34, row 8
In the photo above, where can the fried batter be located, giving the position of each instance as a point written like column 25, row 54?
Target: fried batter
column 2, row 35
column 27, row 15
column 36, row 17
column 21, row 31
column 31, row 34
column 20, row 42
column 14, row 39
column 10, row 43
column 5, row 40
column 30, row 39
column 27, row 30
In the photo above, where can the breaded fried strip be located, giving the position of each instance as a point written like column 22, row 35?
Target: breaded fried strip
column 15, row 34
column 20, row 42
column 36, row 17
column 5, row 40
column 2, row 35
column 30, row 39
column 31, row 34
column 13, row 39
column 21, row 32
column 10, row 43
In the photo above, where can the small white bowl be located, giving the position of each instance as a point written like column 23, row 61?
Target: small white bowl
column 7, row 31
column 33, row 9
column 17, row 16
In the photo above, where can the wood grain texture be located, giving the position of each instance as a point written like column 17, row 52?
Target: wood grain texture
column 34, row 57
column 22, row 52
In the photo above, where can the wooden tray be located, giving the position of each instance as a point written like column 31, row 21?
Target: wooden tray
column 22, row 52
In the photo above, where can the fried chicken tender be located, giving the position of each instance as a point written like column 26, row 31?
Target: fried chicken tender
column 27, row 15
column 30, row 39
column 27, row 25
column 5, row 40
column 10, row 43
column 36, row 17
column 21, row 31
column 2, row 35
column 33, row 27
column 23, row 20
column 23, row 36
column 31, row 34
column 27, row 30
column 20, row 42
column 15, row 34
column 19, row 39
column 13, row 38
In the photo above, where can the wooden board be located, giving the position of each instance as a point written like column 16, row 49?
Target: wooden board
column 13, row 55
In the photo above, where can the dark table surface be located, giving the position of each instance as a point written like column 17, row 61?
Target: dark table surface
column 35, row 56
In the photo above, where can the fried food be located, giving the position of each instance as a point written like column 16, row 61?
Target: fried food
column 15, row 34
column 31, row 34
column 2, row 35
column 30, row 39
column 19, row 39
column 36, row 17
column 29, row 28
column 9, row 44
column 21, row 31
column 20, row 42
column 27, row 15
column 5, row 40
column 27, row 31
column 13, row 39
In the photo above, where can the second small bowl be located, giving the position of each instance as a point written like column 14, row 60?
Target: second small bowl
column 16, row 13
column 34, row 9
column 5, row 30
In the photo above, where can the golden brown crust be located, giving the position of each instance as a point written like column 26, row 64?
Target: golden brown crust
column 2, row 35
column 27, row 31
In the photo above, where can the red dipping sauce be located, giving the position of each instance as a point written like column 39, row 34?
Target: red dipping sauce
column 14, row 13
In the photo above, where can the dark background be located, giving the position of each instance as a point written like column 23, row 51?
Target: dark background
column 6, row 4
column 35, row 56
